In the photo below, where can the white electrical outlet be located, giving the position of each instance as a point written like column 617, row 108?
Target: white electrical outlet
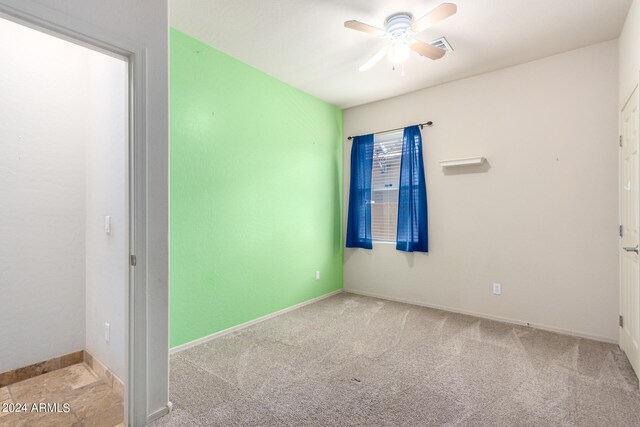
column 317, row 275
column 107, row 334
column 497, row 289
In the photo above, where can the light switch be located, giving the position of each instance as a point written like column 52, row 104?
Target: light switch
column 107, row 224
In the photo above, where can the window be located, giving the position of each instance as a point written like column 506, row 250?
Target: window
column 385, row 177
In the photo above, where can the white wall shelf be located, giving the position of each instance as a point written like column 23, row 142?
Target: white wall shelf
column 465, row 161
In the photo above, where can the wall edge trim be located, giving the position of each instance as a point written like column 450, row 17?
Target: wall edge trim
column 244, row 325
column 562, row 331
column 32, row 370
column 105, row 373
column 160, row 412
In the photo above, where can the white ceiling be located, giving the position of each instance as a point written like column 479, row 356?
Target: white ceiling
column 304, row 42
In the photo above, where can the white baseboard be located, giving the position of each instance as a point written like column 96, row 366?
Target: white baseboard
column 487, row 316
column 160, row 413
column 193, row 343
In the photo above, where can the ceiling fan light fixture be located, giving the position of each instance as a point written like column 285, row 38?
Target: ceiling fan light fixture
column 399, row 28
column 399, row 52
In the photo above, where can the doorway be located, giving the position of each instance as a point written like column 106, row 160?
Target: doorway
column 65, row 228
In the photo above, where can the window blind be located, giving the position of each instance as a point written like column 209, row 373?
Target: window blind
column 385, row 177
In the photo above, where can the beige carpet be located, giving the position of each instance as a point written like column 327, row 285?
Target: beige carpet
column 353, row 360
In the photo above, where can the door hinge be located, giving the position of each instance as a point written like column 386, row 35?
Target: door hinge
column 133, row 260
column 621, row 321
column 620, row 231
column 620, row 141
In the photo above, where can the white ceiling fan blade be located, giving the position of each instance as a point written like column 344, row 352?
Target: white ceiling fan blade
column 374, row 59
column 438, row 14
column 425, row 49
column 365, row 28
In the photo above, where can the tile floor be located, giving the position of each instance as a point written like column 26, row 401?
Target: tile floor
column 91, row 401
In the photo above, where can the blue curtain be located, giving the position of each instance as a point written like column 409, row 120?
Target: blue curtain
column 412, row 197
column 359, row 219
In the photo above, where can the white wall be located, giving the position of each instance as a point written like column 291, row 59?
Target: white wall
column 42, row 210
column 146, row 23
column 541, row 219
column 630, row 53
column 107, row 268
column 63, row 167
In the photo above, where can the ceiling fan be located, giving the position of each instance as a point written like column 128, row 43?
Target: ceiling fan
column 399, row 28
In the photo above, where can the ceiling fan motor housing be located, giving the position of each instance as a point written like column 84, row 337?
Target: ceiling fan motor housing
column 398, row 23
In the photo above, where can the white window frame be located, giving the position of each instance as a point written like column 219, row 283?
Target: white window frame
column 393, row 141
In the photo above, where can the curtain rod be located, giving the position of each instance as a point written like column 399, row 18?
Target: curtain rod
column 429, row 123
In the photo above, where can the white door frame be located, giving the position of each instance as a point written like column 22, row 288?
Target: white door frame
column 79, row 32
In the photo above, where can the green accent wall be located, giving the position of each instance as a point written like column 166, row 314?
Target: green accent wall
column 256, row 193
